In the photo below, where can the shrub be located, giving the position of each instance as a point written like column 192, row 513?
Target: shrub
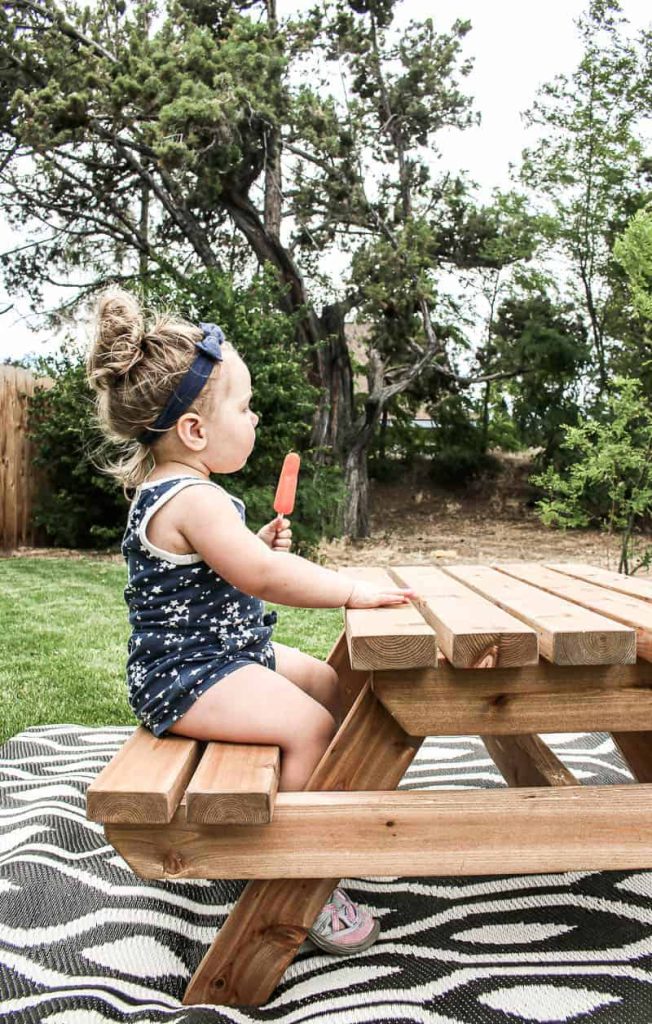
column 608, row 481
column 79, row 507
column 455, row 466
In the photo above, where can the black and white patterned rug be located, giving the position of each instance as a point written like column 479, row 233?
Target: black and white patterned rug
column 84, row 941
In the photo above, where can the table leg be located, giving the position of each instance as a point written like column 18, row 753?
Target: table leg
column 351, row 680
column 270, row 920
column 636, row 748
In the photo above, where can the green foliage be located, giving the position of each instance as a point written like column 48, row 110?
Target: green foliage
column 549, row 342
column 586, row 168
column 79, row 507
column 608, row 482
column 633, row 251
column 452, row 444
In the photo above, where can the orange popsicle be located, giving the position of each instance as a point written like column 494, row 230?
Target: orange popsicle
column 287, row 484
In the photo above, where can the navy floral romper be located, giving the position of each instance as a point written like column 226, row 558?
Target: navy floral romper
column 191, row 627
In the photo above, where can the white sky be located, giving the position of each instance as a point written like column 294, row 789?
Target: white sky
column 516, row 46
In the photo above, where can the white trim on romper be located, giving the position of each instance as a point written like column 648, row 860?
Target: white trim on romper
column 171, row 556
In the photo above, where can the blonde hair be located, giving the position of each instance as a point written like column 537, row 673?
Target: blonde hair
column 133, row 366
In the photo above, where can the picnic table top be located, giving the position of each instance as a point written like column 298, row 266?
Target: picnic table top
column 504, row 615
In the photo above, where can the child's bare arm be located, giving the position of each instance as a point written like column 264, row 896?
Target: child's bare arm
column 209, row 522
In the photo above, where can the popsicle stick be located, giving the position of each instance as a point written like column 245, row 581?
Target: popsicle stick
column 633, row 586
column 568, row 635
column 629, row 611
column 389, row 637
column 471, row 631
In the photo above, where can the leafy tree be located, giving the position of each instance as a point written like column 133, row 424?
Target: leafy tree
column 588, row 165
column 608, row 482
column 550, row 341
column 134, row 145
column 633, row 251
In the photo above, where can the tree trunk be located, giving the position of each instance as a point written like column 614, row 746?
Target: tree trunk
column 356, row 511
column 273, row 212
column 485, row 417
column 333, row 421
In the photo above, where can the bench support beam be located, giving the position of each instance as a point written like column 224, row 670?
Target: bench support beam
column 263, row 932
column 420, row 832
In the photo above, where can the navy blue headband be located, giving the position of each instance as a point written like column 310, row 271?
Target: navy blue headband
column 209, row 352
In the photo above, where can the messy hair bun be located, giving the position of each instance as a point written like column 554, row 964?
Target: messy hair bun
column 118, row 345
column 134, row 364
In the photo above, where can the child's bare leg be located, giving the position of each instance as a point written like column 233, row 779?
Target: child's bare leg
column 314, row 677
column 256, row 705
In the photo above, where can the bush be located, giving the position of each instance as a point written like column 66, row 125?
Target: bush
column 79, row 507
column 608, row 482
column 458, row 467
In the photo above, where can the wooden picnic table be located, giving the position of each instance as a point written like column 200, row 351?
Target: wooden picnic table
column 505, row 652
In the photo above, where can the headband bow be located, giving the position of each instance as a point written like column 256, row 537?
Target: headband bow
column 211, row 343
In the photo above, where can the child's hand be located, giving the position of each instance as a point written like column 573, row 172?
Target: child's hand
column 277, row 534
column 365, row 595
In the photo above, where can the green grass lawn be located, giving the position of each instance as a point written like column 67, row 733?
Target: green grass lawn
column 63, row 641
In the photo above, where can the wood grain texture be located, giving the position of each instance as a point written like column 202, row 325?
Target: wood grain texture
column 145, row 781
column 565, row 828
column 350, row 680
column 387, row 637
column 636, row 748
column 633, row 586
column 234, row 783
column 263, row 932
column 527, row 761
column 630, row 611
column 568, row 635
column 468, row 627
column 20, row 479
column 532, row 699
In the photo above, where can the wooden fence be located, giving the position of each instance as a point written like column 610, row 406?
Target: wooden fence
column 20, row 480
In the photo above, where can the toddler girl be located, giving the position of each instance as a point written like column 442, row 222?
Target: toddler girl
column 201, row 661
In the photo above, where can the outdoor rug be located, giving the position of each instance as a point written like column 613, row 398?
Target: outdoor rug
column 83, row 940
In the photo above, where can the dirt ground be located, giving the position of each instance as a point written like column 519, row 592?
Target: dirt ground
column 413, row 523
column 426, row 528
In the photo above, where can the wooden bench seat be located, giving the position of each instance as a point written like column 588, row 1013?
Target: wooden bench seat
column 217, row 783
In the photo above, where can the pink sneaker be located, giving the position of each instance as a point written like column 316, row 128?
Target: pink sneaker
column 342, row 927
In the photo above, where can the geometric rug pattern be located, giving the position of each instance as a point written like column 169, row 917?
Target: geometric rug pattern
column 85, row 941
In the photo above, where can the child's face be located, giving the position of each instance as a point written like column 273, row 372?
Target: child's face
column 230, row 423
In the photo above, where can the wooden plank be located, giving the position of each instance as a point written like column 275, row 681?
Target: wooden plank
column 469, row 628
column 531, row 699
column 397, row 637
column 633, row 586
column 567, row 635
column 350, row 680
column 4, row 456
column 145, row 780
column 271, row 919
column 10, row 517
column 315, row 835
column 527, row 761
column 636, row 748
column 629, row 611
column 235, row 783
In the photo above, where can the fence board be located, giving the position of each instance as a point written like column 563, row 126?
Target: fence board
column 20, row 479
